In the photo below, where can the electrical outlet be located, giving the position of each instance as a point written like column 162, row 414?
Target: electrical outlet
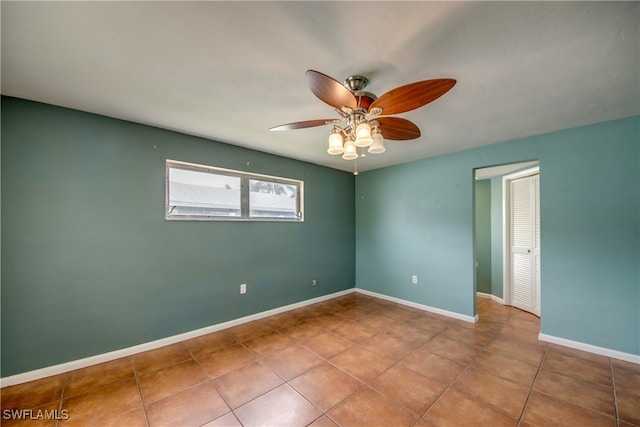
column 243, row 288
column 314, row 282
column 414, row 279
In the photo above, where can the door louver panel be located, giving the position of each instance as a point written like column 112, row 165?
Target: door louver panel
column 521, row 216
column 522, row 296
column 525, row 243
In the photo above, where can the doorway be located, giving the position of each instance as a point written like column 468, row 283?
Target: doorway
column 492, row 231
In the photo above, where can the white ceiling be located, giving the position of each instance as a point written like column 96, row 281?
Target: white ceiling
column 228, row 71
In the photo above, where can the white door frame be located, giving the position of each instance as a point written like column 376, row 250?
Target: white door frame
column 506, row 229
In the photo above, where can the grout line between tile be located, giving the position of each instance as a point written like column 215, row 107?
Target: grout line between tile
column 468, row 366
column 144, row 408
column 615, row 394
column 437, row 399
column 533, row 383
column 64, row 387
column 439, row 396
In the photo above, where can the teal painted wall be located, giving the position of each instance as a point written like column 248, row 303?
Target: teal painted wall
column 483, row 235
column 497, row 286
column 417, row 218
column 90, row 265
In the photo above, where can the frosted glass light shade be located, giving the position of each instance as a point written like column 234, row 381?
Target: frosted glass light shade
column 350, row 151
column 335, row 144
column 378, row 144
column 363, row 135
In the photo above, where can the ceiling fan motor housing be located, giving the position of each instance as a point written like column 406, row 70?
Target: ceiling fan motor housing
column 356, row 85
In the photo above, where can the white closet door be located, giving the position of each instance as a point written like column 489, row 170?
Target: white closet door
column 525, row 243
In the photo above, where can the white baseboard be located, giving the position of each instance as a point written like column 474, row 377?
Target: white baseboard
column 633, row 358
column 112, row 355
column 490, row 296
column 466, row 318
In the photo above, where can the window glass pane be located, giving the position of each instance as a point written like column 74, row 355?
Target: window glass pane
column 200, row 192
column 196, row 193
column 269, row 199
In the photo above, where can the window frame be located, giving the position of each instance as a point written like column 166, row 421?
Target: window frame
column 245, row 208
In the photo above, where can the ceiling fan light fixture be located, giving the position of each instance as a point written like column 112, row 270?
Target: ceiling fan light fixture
column 350, row 151
column 363, row 135
column 378, row 143
column 335, row 143
column 361, row 124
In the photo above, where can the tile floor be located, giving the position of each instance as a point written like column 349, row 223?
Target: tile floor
column 350, row 361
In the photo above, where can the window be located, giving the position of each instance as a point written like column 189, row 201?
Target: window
column 270, row 199
column 198, row 192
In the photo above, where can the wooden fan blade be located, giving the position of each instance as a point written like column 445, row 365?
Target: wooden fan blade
column 412, row 96
column 330, row 91
column 305, row 124
column 398, row 129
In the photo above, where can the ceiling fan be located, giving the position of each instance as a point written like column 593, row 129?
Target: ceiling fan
column 365, row 120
